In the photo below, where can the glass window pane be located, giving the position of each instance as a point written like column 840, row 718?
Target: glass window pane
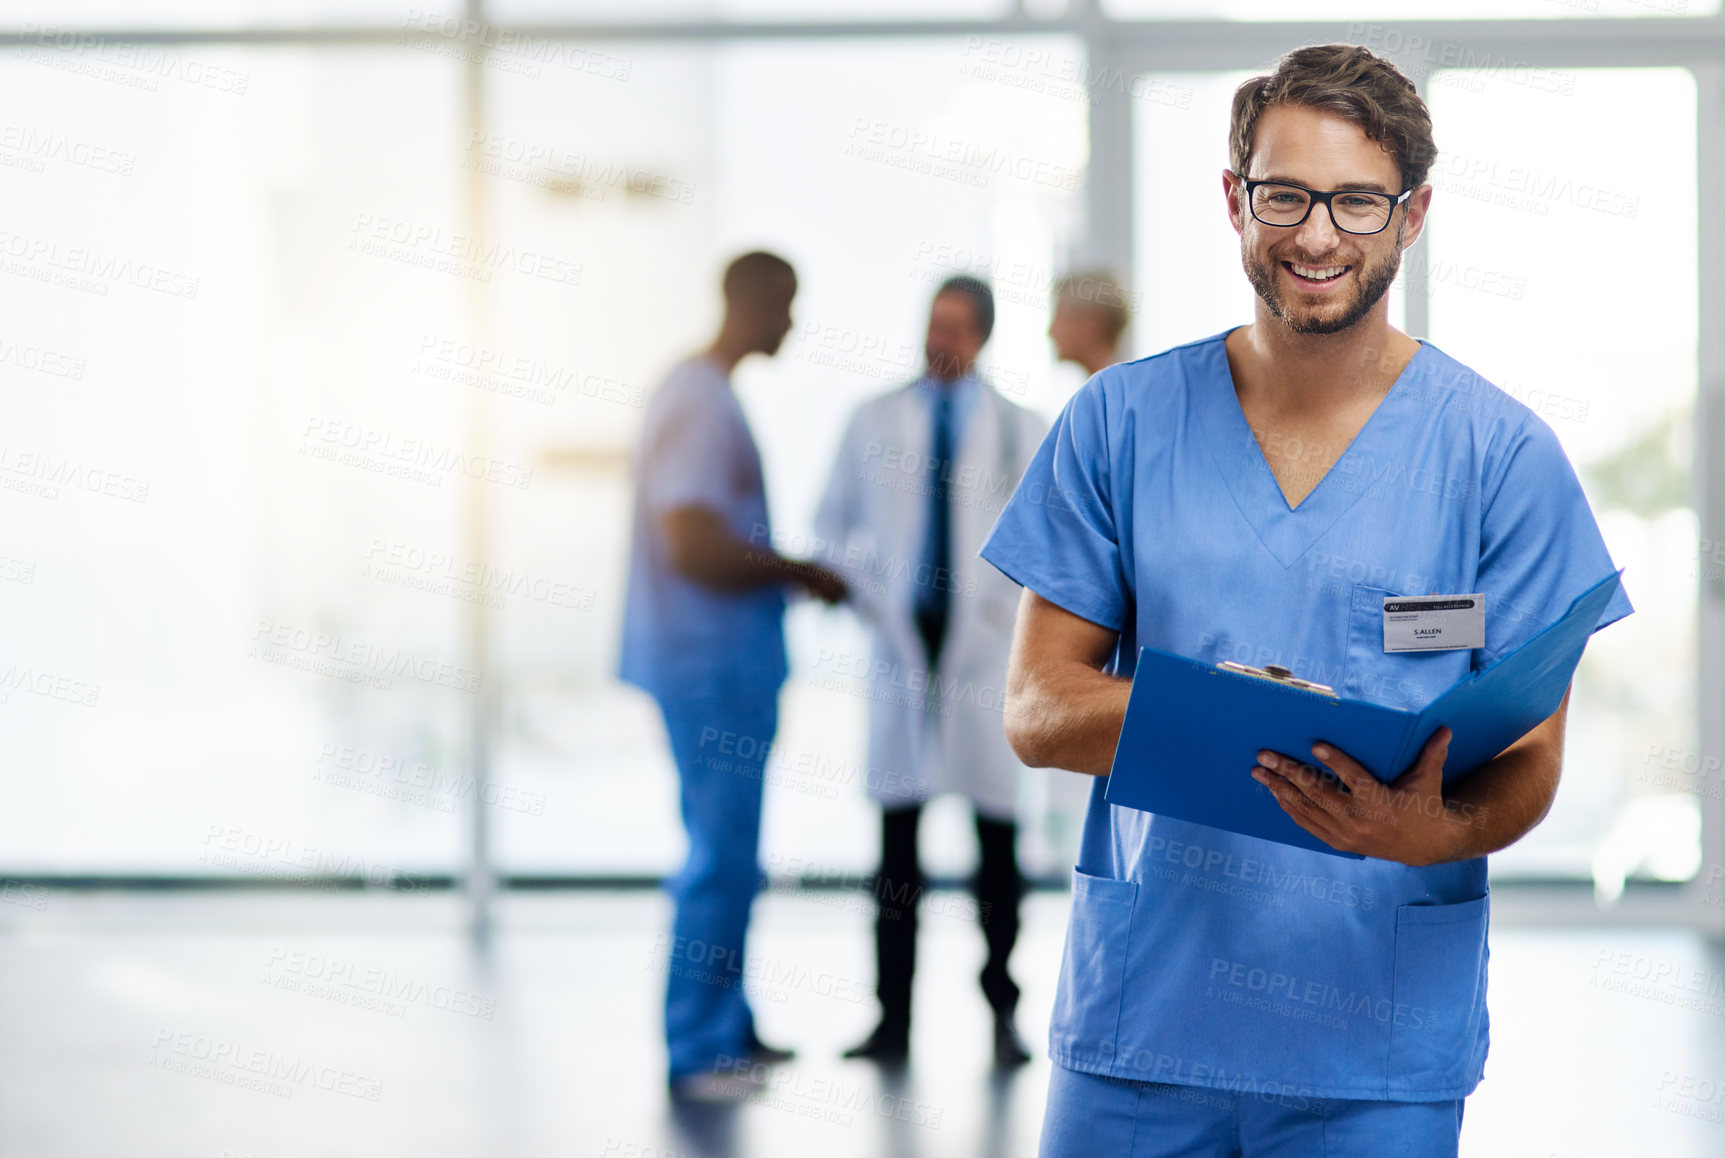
column 212, row 453
column 1562, row 266
column 899, row 163
column 812, row 10
column 1370, row 16
column 45, row 17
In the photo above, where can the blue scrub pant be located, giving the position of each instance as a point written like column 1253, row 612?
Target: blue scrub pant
column 720, row 744
column 1090, row 1115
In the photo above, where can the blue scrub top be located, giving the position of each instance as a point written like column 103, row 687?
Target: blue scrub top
column 1199, row 957
column 682, row 640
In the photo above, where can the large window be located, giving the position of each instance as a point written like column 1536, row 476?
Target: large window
column 1373, row 16
column 900, row 164
column 287, row 321
column 217, row 444
column 1562, row 266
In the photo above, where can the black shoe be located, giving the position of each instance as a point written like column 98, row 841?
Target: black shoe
column 763, row 1054
column 887, row 1046
column 1009, row 1048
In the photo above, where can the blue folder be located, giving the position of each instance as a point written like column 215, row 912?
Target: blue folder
column 1193, row 731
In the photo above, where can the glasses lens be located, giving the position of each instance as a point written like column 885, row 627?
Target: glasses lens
column 1279, row 204
column 1361, row 212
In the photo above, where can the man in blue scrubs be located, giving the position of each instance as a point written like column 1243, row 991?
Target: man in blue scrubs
column 703, row 634
column 1256, row 495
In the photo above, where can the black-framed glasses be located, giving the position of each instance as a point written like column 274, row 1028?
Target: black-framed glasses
column 1352, row 210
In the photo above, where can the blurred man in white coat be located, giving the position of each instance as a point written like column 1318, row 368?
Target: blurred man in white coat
column 921, row 474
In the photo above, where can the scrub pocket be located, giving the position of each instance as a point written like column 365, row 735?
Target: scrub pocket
column 1437, row 1022
column 1406, row 679
column 1085, row 1027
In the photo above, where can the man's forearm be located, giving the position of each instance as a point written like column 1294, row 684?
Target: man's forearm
column 704, row 549
column 730, row 564
column 1502, row 800
column 1068, row 716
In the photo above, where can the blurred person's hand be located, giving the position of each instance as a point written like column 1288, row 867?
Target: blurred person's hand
column 823, row 584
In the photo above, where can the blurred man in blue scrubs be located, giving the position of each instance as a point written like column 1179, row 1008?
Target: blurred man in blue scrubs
column 703, row 634
column 1262, row 492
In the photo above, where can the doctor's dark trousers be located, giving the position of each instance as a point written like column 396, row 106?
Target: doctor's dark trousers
column 720, row 743
column 997, row 885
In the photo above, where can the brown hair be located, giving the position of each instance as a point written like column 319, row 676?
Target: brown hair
column 1099, row 291
column 1351, row 82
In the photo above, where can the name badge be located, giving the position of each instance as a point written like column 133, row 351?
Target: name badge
column 1434, row 622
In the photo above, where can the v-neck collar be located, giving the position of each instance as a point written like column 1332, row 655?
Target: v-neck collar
column 1288, row 532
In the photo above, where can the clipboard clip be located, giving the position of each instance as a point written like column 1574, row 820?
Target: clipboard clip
column 1279, row 675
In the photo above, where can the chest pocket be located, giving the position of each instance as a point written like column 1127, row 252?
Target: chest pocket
column 1407, row 679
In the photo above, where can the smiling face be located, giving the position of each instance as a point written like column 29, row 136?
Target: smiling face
column 1314, row 278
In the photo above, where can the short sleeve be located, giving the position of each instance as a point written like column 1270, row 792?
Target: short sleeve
column 1057, row 535
column 1539, row 544
column 693, row 453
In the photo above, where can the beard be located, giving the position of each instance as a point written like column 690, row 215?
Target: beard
column 1371, row 282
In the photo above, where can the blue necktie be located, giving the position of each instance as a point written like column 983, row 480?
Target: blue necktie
column 932, row 596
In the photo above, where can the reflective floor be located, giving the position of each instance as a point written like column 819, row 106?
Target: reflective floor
column 276, row 1025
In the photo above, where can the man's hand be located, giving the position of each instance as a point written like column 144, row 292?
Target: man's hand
column 822, row 583
column 1406, row 820
column 1417, row 819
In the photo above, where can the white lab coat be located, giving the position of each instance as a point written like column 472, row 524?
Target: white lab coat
column 929, row 735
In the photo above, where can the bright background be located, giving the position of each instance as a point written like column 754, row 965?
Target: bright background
column 227, row 250
column 642, row 171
